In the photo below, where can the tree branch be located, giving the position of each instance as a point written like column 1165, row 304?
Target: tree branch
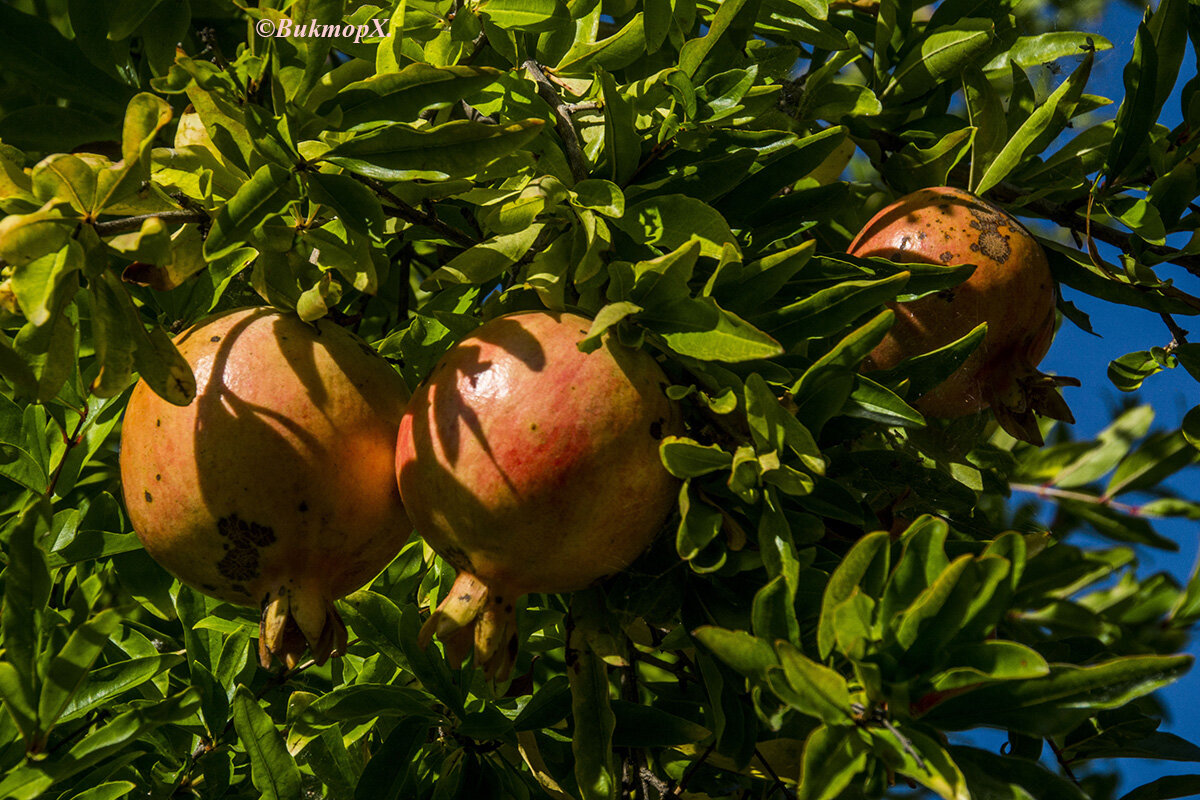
column 404, row 211
column 126, row 224
column 1045, row 492
column 562, row 120
column 1068, row 218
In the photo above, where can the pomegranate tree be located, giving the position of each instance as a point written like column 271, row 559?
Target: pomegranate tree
column 274, row 487
column 531, row 466
column 1011, row 290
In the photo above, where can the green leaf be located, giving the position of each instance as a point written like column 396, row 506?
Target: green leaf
column 613, row 53
column 829, row 310
column 65, row 178
column 746, row 653
column 1045, row 123
column 637, row 725
column 941, row 56
column 606, row 318
column 399, row 151
column 1171, row 786
column 993, row 775
column 993, row 660
column 1137, row 114
column 695, row 52
column 382, row 778
column 815, row 690
column 146, row 115
column 922, row 759
column 356, row 206
column 25, row 237
column 526, row 15
column 485, row 261
column 18, row 461
column 985, row 112
column 266, row 193
column 105, row 684
column 699, row 525
column 591, row 709
column 705, row 331
column 1054, row 704
column 833, row 758
column 672, row 220
column 69, row 669
column 1160, row 456
column 784, row 168
column 111, row 790
column 376, row 620
column 272, row 768
column 686, row 458
column 40, row 284
column 360, row 702
column 401, row 96
column 843, row 583
column 33, row 51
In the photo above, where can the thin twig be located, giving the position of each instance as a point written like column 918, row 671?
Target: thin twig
column 72, row 441
column 778, row 782
column 1062, row 762
column 1083, row 497
column 126, row 224
column 1178, row 334
column 677, row 791
column 404, row 211
column 649, row 779
column 562, row 120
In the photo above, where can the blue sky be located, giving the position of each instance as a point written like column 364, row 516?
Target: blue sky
column 1172, row 393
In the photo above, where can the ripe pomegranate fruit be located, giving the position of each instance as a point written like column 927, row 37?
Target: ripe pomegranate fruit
column 274, row 486
column 532, row 467
column 1011, row 289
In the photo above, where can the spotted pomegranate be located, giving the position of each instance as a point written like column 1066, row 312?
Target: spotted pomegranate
column 532, row 467
column 274, row 487
column 1011, row 290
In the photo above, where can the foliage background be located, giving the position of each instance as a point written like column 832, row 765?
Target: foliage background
column 265, row 766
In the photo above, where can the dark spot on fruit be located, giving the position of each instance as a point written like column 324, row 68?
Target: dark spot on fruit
column 992, row 243
column 656, row 429
column 215, row 339
column 533, row 426
column 303, row 506
column 149, row 499
column 158, row 477
column 458, row 558
column 584, row 333
column 508, row 608
column 906, row 243
column 499, row 600
column 921, row 234
column 158, row 423
column 241, row 554
column 946, row 257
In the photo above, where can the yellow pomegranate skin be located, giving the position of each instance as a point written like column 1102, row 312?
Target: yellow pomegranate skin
column 531, row 466
column 274, row 487
column 1011, row 289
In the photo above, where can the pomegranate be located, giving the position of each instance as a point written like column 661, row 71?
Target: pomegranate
column 532, row 467
column 1011, row 290
column 274, row 486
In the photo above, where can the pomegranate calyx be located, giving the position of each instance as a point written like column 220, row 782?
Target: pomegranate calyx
column 474, row 615
column 293, row 621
